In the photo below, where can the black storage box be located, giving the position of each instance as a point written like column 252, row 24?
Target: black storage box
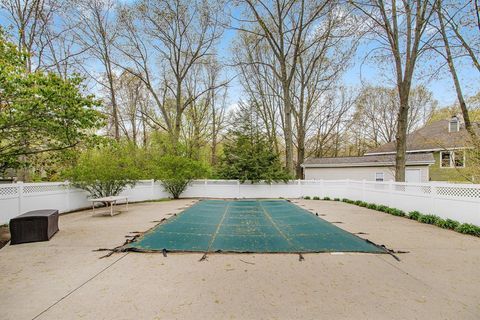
column 38, row 225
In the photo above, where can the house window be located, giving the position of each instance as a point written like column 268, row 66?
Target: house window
column 379, row 176
column 445, row 159
column 454, row 125
column 452, row 159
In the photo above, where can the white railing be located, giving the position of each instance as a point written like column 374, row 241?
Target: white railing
column 456, row 201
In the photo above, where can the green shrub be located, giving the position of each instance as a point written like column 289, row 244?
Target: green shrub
column 382, row 208
column 440, row 223
column 372, row 206
column 414, row 215
column 358, row 202
column 467, row 228
column 336, row 199
column 363, row 204
column 396, row 212
column 316, row 198
column 175, row 173
column 428, row 218
column 451, row 224
column 306, row 197
column 105, row 171
column 326, row 198
column 346, row 200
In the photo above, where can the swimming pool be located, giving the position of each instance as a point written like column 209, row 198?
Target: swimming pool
column 256, row 226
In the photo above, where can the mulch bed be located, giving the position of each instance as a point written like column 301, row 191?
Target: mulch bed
column 4, row 235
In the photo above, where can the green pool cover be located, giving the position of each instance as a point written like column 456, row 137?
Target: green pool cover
column 249, row 226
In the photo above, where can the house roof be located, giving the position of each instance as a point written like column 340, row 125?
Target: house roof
column 368, row 161
column 432, row 137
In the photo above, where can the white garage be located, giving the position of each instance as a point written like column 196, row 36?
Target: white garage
column 370, row 168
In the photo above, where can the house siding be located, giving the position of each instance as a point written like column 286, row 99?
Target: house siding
column 359, row 173
column 448, row 174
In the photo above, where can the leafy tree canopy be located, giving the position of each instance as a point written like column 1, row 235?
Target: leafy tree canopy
column 39, row 111
column 248, row 156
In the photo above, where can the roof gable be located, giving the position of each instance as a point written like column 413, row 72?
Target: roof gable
column 434, row 136
column 365, row 161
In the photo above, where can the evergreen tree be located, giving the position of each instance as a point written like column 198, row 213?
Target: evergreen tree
column 248, row 156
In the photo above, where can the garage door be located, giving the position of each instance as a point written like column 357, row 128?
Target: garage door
column 413, row 175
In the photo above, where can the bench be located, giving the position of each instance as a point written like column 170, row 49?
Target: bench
column 32, row 226
column 112, row 201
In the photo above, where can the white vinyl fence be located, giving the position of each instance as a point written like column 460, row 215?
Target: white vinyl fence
column 456, row 201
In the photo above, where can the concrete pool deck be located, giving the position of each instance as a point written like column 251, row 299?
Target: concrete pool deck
column 65, row 279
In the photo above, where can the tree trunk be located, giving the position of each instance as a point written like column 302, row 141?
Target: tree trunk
column 178, row 117
column 401, row 136
column 300, row 156
column 288, row 127
column 453, row 72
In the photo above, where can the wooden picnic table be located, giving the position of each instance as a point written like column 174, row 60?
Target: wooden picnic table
column 112, row 201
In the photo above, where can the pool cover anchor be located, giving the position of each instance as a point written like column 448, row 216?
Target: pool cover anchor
column 122, row 248
column 203, row 258
column 387, row 250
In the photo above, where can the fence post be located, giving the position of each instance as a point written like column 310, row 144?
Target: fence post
column 152, row 186
column 433, row 196
column 390, row 194
column 363, row 190
column 238, row 188
column 300, row 191
column 67, row 202
column 20, row 196
column 347, row 190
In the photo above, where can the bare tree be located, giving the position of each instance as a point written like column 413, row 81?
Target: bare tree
column 261, row 86
column 376, row 109
column 283, row 26
column 163, row 43
column 329, row 49
column 30, row 20
column 93, row 23
column 452, row 18
column 216, row 101
column 329, row 122
column 39, row 28
column 400, row 27
column 133, row 102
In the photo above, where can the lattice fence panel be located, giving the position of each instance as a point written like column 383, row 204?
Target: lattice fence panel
column 8, row 191
column 426, row 189
column 29, row 189
column 463, row 192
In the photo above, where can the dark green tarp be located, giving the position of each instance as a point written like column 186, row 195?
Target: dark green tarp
column 250, row 226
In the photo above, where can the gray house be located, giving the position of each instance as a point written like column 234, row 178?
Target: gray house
column 370, row 168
